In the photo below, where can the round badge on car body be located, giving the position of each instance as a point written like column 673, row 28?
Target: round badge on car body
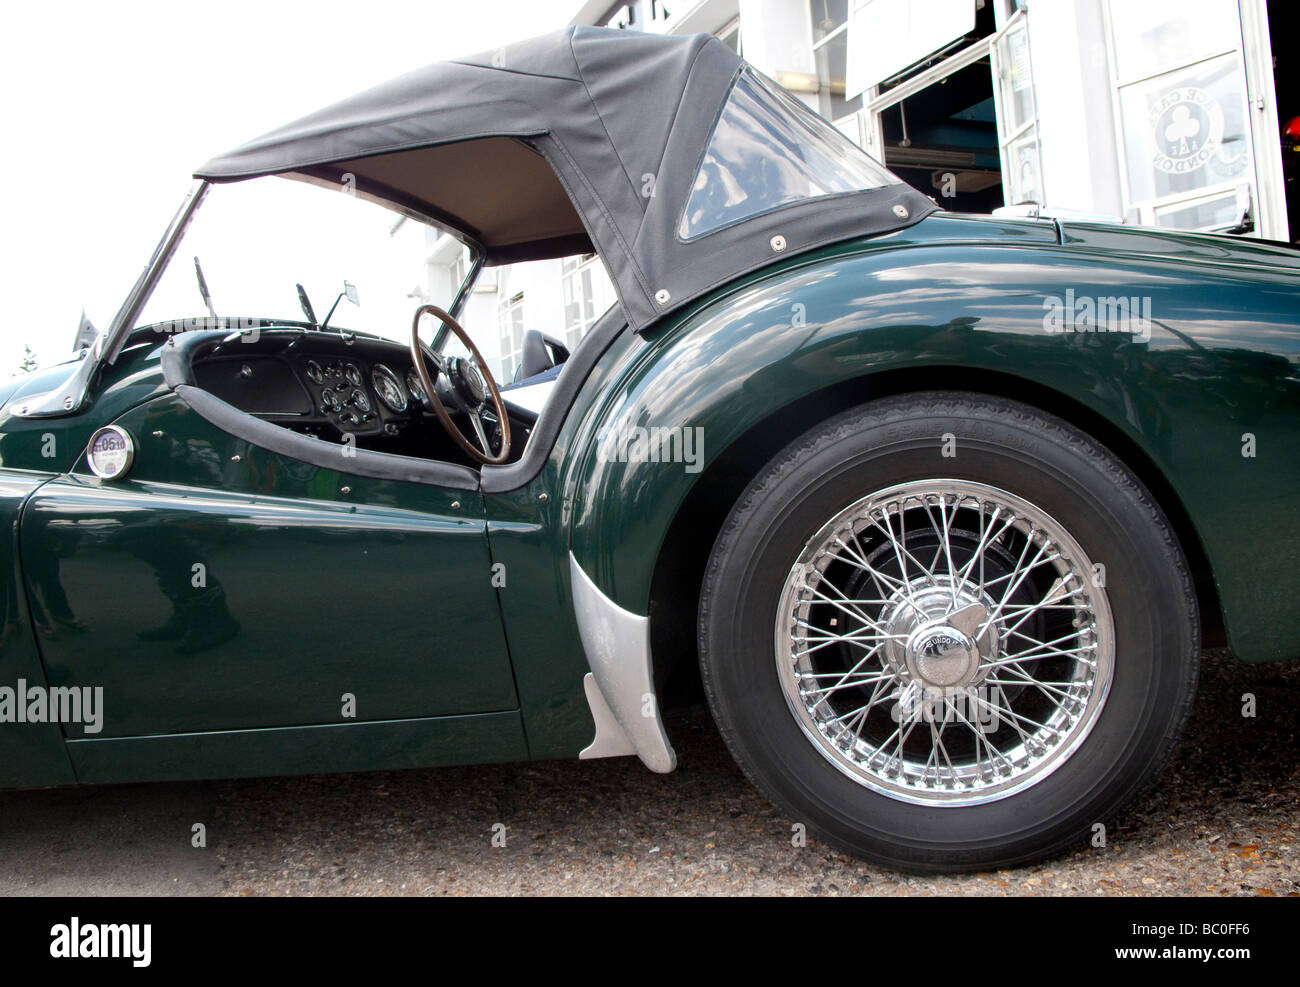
column 110, row 452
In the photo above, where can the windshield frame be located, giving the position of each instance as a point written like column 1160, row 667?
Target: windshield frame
column 120, row 328
column 477, row 258
column 68, row 397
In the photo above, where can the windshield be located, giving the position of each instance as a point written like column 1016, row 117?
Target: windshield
column 254, row 242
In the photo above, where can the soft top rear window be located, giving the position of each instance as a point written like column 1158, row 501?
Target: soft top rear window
column 767, row 150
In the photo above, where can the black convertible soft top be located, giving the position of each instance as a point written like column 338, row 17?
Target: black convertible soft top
column 595, row 138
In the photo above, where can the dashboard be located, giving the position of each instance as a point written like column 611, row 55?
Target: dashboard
column 333, row 386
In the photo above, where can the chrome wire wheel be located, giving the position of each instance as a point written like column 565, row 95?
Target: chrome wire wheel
column 945, row 642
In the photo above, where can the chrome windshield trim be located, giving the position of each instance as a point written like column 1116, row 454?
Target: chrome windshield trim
column 120, row 327
column 462, row 295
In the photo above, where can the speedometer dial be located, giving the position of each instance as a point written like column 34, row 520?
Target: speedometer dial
column 389, row 388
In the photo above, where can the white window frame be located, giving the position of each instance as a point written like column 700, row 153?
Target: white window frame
column 587, row 262
column 1007, row 139
column 511, row 356
column 1266, row 195
column 849, row 124
column 731, row 27
column 1271, row 220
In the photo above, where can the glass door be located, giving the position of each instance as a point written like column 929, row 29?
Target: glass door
column 1017, row 115
column 1189, row 154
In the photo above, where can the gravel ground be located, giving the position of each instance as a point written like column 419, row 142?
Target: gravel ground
column 1222, row 821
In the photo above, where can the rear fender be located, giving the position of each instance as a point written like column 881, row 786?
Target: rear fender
column 1171, row 387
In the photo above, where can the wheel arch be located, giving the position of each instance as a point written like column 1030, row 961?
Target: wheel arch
column 682, row 556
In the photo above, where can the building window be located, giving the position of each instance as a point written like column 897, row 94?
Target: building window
column 640, row 15
column 830, row 22
column 621, row 17
column 582, row 281
column 729, row 35
column 511, row 321
column 1183, row 114
column 1017, row 114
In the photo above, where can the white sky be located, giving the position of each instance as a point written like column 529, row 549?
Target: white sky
column 108, row 108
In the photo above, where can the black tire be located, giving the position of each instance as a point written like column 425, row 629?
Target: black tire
column 1034, row 456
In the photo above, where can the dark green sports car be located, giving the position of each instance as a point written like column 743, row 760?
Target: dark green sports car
column 937, row 507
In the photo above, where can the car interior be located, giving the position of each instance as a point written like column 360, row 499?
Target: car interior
column 348, row 388
column 344, row 387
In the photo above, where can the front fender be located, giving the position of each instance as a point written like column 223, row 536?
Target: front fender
column 1217, row 360
column 56, row 444
column 32, row 752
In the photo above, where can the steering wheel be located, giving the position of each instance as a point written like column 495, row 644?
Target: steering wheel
column 470, row 384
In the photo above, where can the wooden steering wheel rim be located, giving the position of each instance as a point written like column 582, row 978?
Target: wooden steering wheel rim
column 417, row 358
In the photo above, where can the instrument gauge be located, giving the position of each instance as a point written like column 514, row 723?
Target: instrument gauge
column 329, row 401
column 352, row 375
column 360, row 400
column 389, row 388
column 415, row 387
column 314, row 372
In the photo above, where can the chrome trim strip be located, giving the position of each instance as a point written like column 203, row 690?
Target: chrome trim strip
column 617, row 643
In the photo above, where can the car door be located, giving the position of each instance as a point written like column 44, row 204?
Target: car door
column 221, row 586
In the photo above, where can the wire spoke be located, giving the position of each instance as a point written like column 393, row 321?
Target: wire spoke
column 883, row 602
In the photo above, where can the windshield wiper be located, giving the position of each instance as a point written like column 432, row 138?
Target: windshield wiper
column 305, row 303
column 203, row 288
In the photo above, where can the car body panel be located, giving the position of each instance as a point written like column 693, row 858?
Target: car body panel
column 529, row 530
column 1197, row 248
column 30, row 753
column 363, row 746
column 967, row 295
column 346, row 557
column 55, row 444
